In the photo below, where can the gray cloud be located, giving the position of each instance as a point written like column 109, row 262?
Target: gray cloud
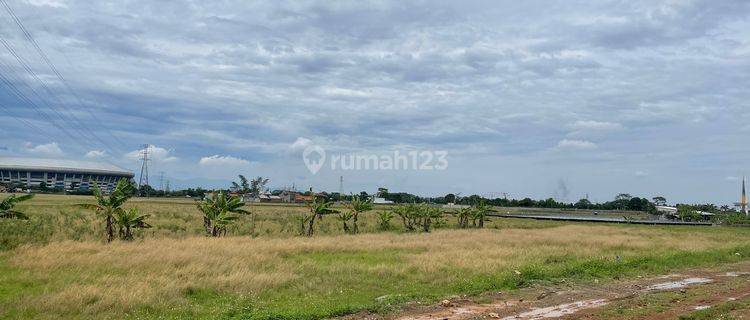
column 613, row 83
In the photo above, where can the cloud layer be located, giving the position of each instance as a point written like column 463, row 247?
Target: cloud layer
column 504, row 86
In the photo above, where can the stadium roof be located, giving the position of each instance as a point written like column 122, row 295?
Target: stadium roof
column 62, row 165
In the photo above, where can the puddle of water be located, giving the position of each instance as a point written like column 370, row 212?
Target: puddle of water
column 558, row 311
column 677, row 284
column 736, row 274
column 701, row 307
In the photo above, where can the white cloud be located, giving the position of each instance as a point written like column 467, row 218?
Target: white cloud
column 730, row 178
column 585, row 125
column 95, row 154
column 575, row 144
column 223, row 161
column 155, row 153
column 49, row 149
column 641, row 173
column 48, row 3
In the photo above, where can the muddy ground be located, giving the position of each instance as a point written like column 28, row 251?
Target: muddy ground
column 717, row 293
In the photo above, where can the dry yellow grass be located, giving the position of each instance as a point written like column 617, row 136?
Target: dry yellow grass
column 91, row 279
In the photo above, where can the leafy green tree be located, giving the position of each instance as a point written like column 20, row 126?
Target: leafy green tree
column 659, row 201
column 583, row 204
column 317, row 208
column 217, row 212
column 7, row 205
column 257, row 185
column 110, row 205
column 356, row 206
column 127, row 220
column 450, row 198
column 146, row 190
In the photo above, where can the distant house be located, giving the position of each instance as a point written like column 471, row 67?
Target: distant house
column 261, row 198
column 377, row 200
column 666, row 210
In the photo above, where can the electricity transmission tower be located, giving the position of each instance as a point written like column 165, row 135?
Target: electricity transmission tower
column 161, row 180
column 143, row 179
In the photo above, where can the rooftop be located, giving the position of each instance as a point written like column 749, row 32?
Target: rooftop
column 65, row 165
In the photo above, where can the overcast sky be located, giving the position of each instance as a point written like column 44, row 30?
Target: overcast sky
column 532, row 98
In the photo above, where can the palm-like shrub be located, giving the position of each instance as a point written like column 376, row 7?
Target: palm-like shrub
column 108, row 206
column 479, row 215
column 356, row 206
column 127, row 220
column 428, row 216
column 344, row 217
column 217, row 212
column 409, row 215
column 317, row 208
column 464, row 214
column 384, row 220
column 7, row 205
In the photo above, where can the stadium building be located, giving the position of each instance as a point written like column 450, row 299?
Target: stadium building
column 60, row 174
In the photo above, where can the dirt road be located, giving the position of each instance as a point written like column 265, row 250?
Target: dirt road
column 701, row 294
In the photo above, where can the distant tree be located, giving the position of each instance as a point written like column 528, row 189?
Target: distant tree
column 235, row 187
column 450, row 198
column 623, row 196
column 583, row 204
column 688, row 213
column 7, row 205
column 244, row 184
column 145, row 190
column 111, row 205
column 659, row 201
column 257, row 185
column 382, row 192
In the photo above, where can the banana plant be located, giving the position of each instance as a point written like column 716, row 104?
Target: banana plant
column 126, row 220
column 108, row 206
column 384, row 220
column 7, row 205
column 217, row 212
column 344, row 217
column 428, row 215
column 356, row 206
column 464, row 214
column 480, row 212
column 317, row 208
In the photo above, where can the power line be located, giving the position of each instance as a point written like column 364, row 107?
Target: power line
column 49, row 63
column 30, row 102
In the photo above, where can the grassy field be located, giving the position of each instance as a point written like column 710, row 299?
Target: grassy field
column 56, row 265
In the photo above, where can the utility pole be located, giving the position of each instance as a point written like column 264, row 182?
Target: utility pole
column 161, row 180
column 341, row 185
column 143, row 179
